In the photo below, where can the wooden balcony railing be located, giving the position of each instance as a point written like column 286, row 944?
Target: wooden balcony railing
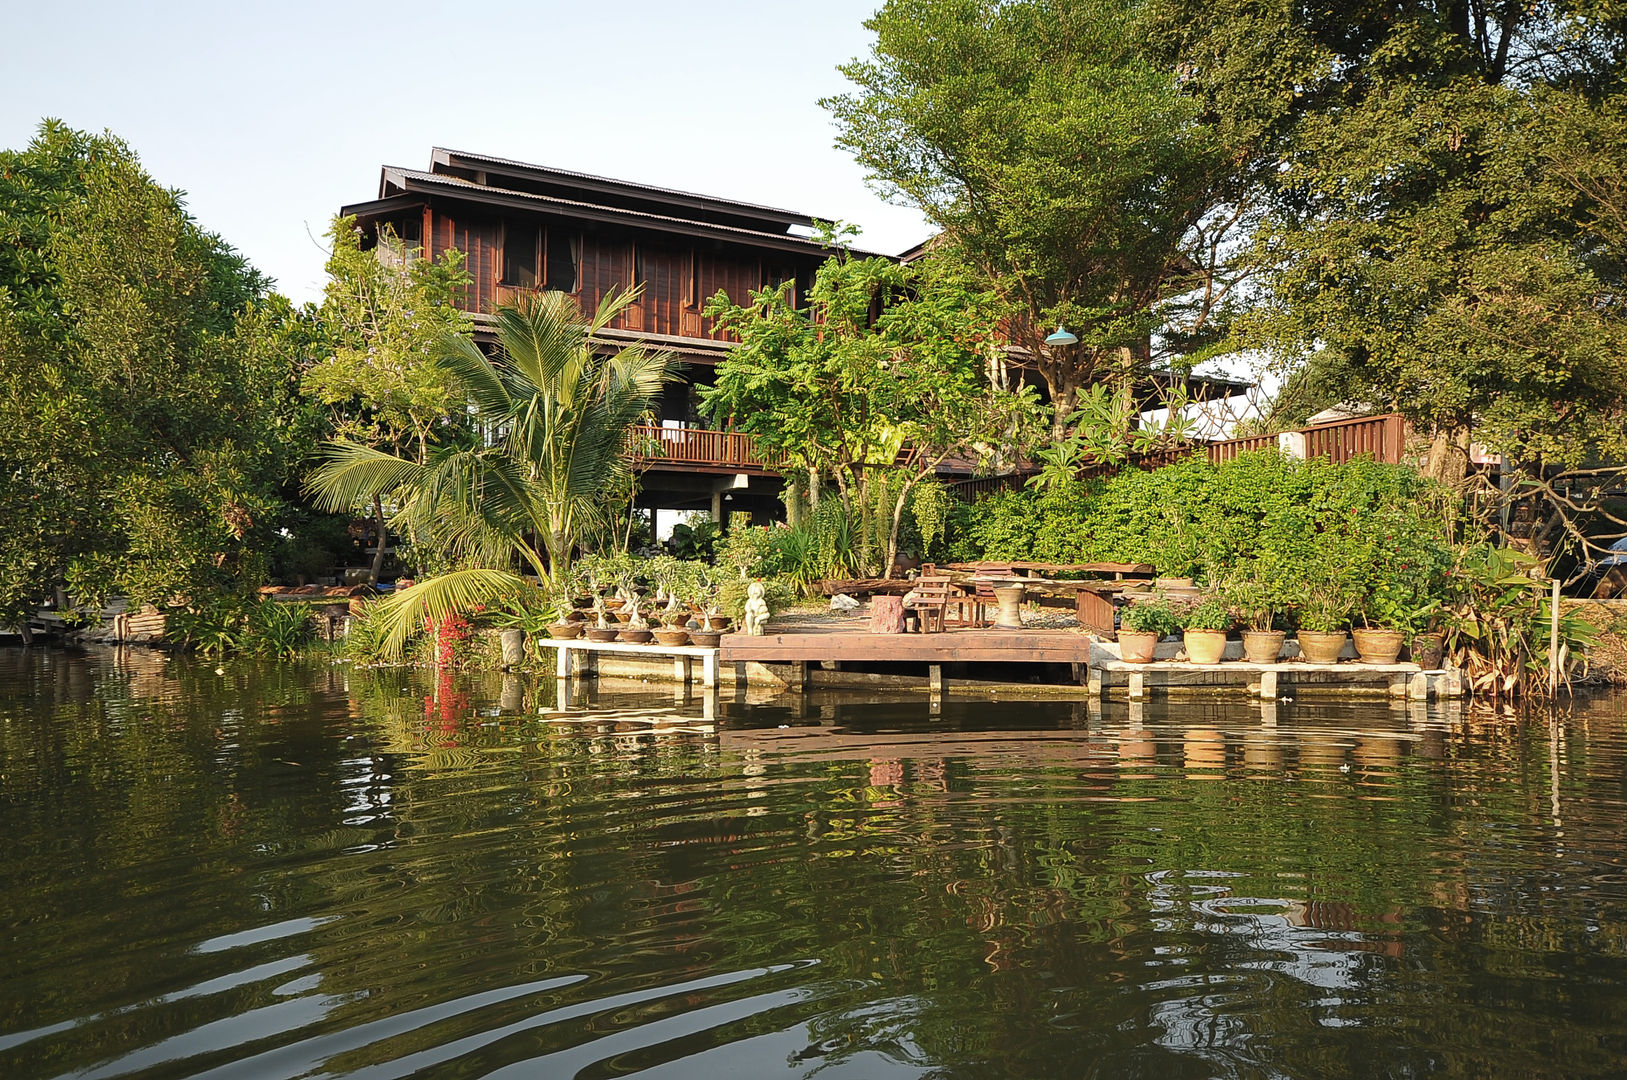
column 649, row 445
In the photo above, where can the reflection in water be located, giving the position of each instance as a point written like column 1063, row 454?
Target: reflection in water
column 304, row 870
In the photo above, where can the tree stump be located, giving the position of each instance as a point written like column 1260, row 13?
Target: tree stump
column 886, row 614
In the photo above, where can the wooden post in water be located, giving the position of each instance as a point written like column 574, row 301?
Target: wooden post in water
column 1553, row 642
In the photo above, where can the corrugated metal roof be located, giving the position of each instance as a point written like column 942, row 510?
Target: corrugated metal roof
column 630, row 185
column 731, row 231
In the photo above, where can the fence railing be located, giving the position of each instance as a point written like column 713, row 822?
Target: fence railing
column 1381, row 438
column 649, row 445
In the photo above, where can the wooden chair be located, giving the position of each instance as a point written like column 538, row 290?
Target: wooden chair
column 928, row 599
column 970, row 608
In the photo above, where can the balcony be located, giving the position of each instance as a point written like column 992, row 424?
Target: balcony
column 698, row 450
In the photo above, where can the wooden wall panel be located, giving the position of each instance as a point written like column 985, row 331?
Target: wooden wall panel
column 665, row 273
column 480, row 240
column 735, row 276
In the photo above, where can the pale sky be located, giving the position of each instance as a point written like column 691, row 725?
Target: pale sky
column 270, row 117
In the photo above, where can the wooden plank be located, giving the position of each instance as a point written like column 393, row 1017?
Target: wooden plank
column 950, row 646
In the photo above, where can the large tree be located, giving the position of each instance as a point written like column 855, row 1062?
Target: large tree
column 883, row 376
column 143, row 436
column 1445, row 232
column 1078, row 178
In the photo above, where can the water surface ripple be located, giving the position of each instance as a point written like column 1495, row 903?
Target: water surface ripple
column 310, row 871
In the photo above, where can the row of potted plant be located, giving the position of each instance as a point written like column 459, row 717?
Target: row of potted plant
column 1258, row 610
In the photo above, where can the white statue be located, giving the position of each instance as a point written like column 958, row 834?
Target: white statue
column 756, row 609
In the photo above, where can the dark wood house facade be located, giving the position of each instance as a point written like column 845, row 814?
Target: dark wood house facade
column 525, row 227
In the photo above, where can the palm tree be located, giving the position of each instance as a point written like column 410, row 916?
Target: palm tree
column 556, row 417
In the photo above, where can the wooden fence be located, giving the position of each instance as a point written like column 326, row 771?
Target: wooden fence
column 1381, row 438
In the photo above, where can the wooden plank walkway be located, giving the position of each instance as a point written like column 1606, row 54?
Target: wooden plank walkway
column 950, row 646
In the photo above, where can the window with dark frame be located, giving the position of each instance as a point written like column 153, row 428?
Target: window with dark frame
column 564, row 254
column 520, row 250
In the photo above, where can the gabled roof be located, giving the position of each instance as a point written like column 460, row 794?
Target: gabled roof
column 512, row 185
column 562, row 183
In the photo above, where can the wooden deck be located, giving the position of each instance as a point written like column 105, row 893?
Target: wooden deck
column 950, row 646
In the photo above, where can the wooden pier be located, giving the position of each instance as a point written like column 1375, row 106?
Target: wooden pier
column 791, row 659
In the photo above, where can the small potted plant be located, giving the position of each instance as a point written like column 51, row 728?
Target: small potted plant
column 1385, row 616
column 1141, row 626
column 1204, row 631
column 1255, row 598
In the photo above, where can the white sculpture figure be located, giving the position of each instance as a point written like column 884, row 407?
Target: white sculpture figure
column 756, row 609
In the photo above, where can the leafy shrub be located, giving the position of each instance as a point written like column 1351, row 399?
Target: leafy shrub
column 1211, row 614
column 1149, row 617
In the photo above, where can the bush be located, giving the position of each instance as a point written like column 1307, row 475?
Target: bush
column 1149, row 617
column 1199, row 519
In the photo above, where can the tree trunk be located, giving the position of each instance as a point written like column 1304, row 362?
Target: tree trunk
column 1448, row 460
column 898, row 519
column 813, row 490
column 383, row 538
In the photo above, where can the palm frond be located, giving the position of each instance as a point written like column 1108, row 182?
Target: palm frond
column 352, row 474
column 432, row 600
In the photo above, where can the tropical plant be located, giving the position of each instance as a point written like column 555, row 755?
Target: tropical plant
column 556, row 416
column 1501, row 626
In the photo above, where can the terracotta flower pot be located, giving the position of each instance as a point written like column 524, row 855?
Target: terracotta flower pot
column 720, row 623
column 1263, row 646
column 1136, row 647
column 669, row 637
column 1204, row 646
column 1319, row 648
column 566, row 631
column 706, row 639
column 607, row 634
column 1378, row 646
column 1426, row 650
column 634, row 637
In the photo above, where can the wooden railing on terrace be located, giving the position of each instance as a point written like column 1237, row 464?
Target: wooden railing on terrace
column 651, row 445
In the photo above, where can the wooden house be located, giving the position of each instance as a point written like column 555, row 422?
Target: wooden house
column 524, row 227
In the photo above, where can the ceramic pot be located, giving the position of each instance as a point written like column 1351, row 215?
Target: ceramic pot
column 634, row 637
column 1263, row 646
column 1204, row 646
column 706, row 639
column 565, row 631
column 607, row 634
column 1378, row 646
column 1136, row 647
column 1426, row 650
column 1319, row 648
column 719, row 623
column 672, row 637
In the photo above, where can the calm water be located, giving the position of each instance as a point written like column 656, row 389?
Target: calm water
column 307, row 871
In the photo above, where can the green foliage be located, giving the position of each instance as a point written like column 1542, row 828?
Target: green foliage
column 886, row 365
column 1502, row 622
column 930, row 505
column 146, row 425
column 559, row 413
column 237, row 623
column 1442, row 229
column 694, row 539
column 1065, row 168
column 1212, row 613
column 1151, row 616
